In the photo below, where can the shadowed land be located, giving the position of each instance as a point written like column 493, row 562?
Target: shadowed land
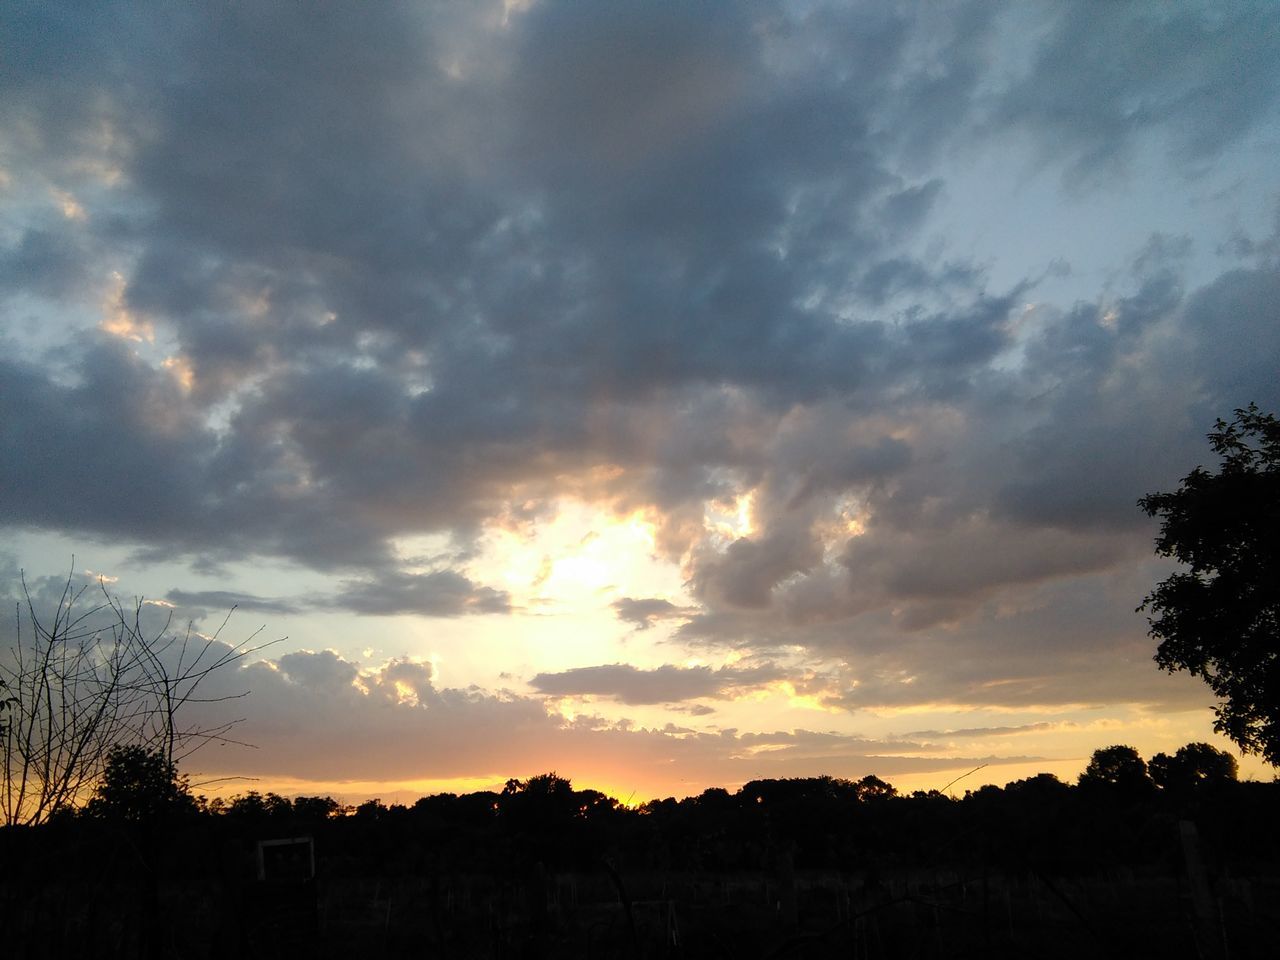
column 1184, row 865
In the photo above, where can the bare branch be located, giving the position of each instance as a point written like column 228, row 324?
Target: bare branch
column 90, row 678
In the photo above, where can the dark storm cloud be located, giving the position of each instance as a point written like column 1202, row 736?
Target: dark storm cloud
column 665, row 684
column 432, row 266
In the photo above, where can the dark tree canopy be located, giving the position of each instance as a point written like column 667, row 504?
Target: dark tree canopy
column 1220, row 618
column 1193, row 767
column 139, row 784
column 1120, row 767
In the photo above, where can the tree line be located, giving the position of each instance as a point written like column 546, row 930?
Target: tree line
column 1122, row 809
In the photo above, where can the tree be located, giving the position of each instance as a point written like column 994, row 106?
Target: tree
column 6, row 704
column 88, row 678
column 1118, row 768
column 543, row 801
column 139, row 785
column 315, row 808
column 872, row 787
column 1219, row 618
column 1194, row 766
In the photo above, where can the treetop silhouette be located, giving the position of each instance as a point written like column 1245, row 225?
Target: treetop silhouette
column 1220, row 617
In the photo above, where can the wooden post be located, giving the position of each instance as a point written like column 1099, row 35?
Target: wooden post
column 1207, row 935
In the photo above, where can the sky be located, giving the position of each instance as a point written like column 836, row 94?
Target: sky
column 664, row 394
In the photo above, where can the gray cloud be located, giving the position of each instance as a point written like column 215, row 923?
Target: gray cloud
column 1061, row 643
column 1099, row 80
column 968, row 560
column 49, row 260
column 665, row 684
column 968, row 733
column 643, row 611
column 443, row 593
column 240, row 265
column 119, row 452
column 745, row 575
column 226, row 600
column 319, row 717
column 427, row 268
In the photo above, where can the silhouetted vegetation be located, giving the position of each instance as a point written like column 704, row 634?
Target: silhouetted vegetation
column 1220, row 618
column 796, row 867
column 139, row 784
column 91, row 678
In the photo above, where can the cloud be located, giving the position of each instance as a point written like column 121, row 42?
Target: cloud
column 49, row 261
column 62, row 460
column 745, row 574
column 1095, row 85
column 969, row 559
column 316, row 716
column 1039, row 646
column 379, row 368
column 440, row 594
column 664, row 684
column 415, row 271
column 227, row 599
column 643, row 611
column 974, row 732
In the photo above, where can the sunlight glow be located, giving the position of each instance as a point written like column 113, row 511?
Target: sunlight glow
column 583, row 557
column 805, row 701
column 405, row 694
column 730, row 519
column 70, row 206
column 116, row 318
column 181, row 369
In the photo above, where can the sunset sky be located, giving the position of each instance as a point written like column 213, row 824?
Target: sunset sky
column 666, row 394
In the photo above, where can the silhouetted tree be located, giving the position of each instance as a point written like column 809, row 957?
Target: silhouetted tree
column 139, row 785
column 1043, row 787
column 540, row 814
column 1194, row 765
column 546, row 799
column 86, row 678
column 371, row 810
column 872, row 787
column 6, row 704
column 254, row 806
column 315, row 808
column 1118, row 767
column 1220, row 618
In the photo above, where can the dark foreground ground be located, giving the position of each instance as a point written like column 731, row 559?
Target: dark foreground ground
column 785, row 869
column 816, row 914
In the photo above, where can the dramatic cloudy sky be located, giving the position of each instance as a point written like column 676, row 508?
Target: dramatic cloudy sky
column 667, row 394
